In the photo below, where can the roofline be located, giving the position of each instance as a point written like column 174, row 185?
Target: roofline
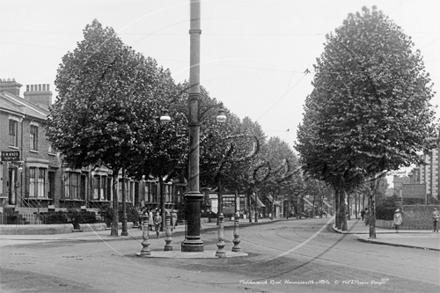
column 12, row 112
column 20, row 101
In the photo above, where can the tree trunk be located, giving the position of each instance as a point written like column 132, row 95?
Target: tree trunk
column 348, row 210
column 355, row 206
column 115, row 220
column 162, row 202
column 337, row 209
column 372, row 216
column 372, row 206
column 363, row 201
column 249, row 206
column 124, row 205
column 343, row 195
column 256, row 206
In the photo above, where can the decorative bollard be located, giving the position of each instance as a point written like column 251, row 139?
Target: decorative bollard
column 221, row 253
column 236, row 241
column 145, row 236
column 168, row 239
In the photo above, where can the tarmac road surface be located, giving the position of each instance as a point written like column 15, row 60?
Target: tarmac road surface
column 285, row 256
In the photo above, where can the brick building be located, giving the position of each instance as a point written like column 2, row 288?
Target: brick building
column 32, row 175
column 428, row 174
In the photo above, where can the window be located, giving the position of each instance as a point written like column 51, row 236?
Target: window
column 99, row 187
column 37, row 182
column 13, row 133
column 150, row 191
column 109, row 188
column 72, row 185
column 34, row 138
column 167, row 192
column 41, row 182
column 128, row 190
column 32, row 175
column 130, row 195
column 96, row 186
column 1, row 179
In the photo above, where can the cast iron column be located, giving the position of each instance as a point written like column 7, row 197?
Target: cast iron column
column 192, row 242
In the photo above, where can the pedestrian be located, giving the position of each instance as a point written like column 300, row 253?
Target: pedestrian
column 150, row 220
column 366, row 217
column 362, row 214
column 173, row 219
column 157, row 222
column 397, row 221
column 435, row 219
column 142, row 211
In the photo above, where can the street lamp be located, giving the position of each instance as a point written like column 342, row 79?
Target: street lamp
column 165, row 118
column 221, row 117
column 192, row 242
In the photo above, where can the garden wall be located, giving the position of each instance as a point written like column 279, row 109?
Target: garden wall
column 415, row 217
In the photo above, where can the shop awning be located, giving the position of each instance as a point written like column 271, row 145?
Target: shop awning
column 326, row 204
column 259, row 203
column 277, row 203
column 269, row 197
column 308, row 202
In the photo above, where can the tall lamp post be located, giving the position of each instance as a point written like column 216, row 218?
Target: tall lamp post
column 192, row 242
column 193, row 197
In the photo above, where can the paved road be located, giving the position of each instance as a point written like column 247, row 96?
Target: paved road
column 286, row 256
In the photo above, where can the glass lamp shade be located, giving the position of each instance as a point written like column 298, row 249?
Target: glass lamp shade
column 165, row 118
column 221, row 117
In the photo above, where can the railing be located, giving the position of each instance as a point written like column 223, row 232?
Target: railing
column 30, row 204
column 21, row 219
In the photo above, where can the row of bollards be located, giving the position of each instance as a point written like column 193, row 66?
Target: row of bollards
column 220, row 253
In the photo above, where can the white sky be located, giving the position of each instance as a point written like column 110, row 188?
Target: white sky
column 253, row 53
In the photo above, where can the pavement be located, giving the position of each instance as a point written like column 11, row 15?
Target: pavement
column 96, row 233
column 422, row 239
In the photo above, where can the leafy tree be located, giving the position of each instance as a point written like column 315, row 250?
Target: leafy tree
column 105, row 91
column 319, row 191
column 284, row 168
column 167, row 143
column 370, row 104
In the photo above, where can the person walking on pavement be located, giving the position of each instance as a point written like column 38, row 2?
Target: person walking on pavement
column 397, row 221
column 435, row 219
column 150, row 220
column 362, row 214
column 157, row 222
column 174, row 219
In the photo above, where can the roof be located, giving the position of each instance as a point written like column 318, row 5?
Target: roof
column 19, row 106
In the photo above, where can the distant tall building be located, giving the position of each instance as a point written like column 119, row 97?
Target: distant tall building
column 428, row 173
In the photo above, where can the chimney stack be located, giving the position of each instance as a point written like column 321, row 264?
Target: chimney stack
column 10, row 86
column 38, row 94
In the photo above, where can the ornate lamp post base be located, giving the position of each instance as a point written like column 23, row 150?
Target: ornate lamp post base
column 192, row 242
column 192, row 246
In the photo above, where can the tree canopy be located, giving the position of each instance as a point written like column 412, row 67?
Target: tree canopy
column 370, row 109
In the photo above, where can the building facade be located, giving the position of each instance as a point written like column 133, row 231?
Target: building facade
column 428, row 174
column 33, row 177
